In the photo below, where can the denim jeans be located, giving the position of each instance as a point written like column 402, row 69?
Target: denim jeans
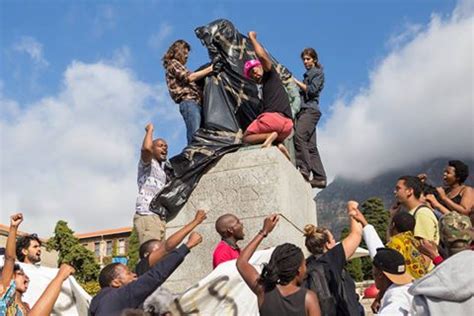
column 191, row 112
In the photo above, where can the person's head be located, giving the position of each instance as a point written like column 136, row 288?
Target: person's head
column 455, row 173
column 28, row 249
column 253, row 70
column 389, row 268
column 286, row 264
column 455, row 232
column 160, row 149
column 230, row 226
column 148, row 247
column 429, row 189
column 318, row 240
column 21, row 279
column 402, row 222
column 310, row 58
column 408, row 188
column 116, row 275
column 179, row 50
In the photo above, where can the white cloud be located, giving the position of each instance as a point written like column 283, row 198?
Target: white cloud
column 418, row 105
column 156, row 39
column 73, row 155
column 33, row 49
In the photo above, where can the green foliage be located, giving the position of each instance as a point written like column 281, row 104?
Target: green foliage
column 91, row 287
column 376, row 215
column 354, row 266
column 133, row 247
column 72, row 252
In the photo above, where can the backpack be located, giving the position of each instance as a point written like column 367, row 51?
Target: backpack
column 316, row 281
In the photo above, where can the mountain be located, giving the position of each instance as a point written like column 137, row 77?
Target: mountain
column 331, row 202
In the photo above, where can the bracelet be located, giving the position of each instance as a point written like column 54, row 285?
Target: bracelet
column 261, row 232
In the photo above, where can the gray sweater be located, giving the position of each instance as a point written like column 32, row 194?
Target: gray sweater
column 448, row 289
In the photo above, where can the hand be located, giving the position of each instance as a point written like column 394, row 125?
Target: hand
column 65, row 270
column 428, row 248
column 16, row 219
column 442, row 193
column 269, row 223
column 394, row 209
column 149, row 127
column 200, row 216
column 375, row 306
column 252, row 35
column 194, row 240
column 431, row 199
column 422, row 177
column 352, row 206
column 358, row 216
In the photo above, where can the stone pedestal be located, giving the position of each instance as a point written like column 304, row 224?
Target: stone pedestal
column 251, row 184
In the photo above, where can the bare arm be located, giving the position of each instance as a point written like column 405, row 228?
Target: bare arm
column 352, row 241
column 10, row 251
column 45, row 303
column 260, row 51
column 174, row 240
column 466, row 201
column 246, row 270
column 194, row 76
column 311, row 303
column 147, row 146
column 300, row 84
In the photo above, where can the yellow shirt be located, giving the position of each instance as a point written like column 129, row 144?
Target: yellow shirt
column 426, row 226
column 406, row 244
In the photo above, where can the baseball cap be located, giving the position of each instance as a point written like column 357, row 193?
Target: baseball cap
column 249, row 64
column 392, row 264
column 455, row 227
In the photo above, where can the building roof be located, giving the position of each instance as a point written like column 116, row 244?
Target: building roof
column 6, row 229
column 104, row 232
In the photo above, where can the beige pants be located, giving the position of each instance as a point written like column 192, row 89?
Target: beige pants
column 149, row 227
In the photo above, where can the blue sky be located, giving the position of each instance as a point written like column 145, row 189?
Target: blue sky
column 79, row 80
column 350, row 36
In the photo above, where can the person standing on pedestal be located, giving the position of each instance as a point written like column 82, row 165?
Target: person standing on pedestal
column 182, row 85
column 151, row 179
column 307, row 155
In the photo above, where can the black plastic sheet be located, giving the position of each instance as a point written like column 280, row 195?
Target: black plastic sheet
column 230, row 104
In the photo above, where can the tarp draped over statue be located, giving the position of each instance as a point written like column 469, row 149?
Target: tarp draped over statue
column 230, row 104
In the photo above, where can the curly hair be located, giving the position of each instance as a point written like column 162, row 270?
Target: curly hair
column 461, row 170
column 24, row 243
column 176, row 51
column 282, row 267
column 316, row 238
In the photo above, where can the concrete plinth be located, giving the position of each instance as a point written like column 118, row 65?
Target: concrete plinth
column 251, row 184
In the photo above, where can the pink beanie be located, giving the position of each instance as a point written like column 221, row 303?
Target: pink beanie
column 249, row 64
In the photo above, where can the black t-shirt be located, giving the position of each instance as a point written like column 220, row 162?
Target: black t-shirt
column 142, row 267
column 339, row 280
column 275, row 98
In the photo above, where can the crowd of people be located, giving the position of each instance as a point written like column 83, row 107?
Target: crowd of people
column 420, row 271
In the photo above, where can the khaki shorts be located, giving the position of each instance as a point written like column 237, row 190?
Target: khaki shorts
column 149, row 227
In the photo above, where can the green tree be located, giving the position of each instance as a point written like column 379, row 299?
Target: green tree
column 71, row 251
column 133, row 247
column 353, row 266
column 376, row 215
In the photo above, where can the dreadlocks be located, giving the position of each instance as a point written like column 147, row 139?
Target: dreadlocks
column 283, row 266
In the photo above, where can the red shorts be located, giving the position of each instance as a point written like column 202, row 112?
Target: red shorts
column 269, row 122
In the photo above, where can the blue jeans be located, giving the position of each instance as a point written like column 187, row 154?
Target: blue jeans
column 191, row 112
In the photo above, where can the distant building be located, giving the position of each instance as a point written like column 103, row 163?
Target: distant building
column 109, row 245
column 48, row 258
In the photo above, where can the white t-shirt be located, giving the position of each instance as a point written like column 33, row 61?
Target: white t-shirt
column 151, row 179
column 396, row 301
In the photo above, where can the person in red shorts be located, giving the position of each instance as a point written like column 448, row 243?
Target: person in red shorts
column 275, row 123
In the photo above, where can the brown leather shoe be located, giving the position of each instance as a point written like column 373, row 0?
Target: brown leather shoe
column 320, row 184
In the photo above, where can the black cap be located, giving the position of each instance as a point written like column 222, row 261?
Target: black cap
column 392, row 264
